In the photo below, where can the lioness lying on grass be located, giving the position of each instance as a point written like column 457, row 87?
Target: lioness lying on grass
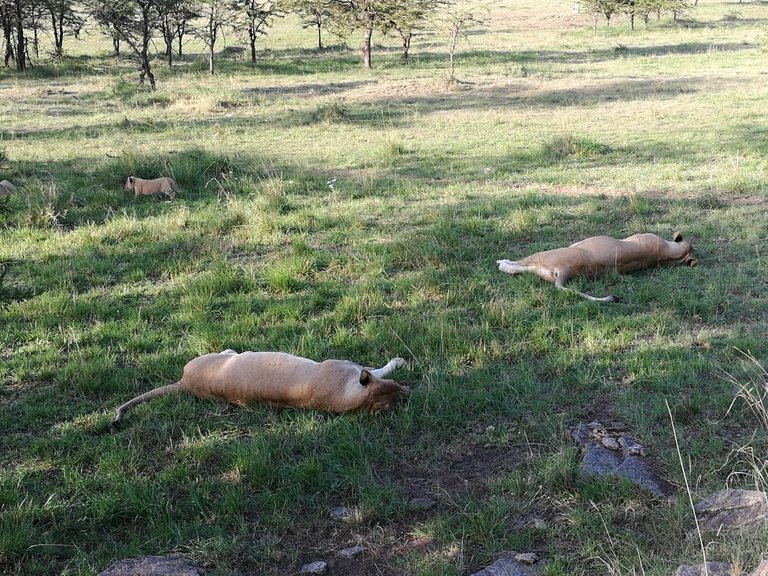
column 281, row 380
column 6, row 188
column 156, row 187
column 601, row 254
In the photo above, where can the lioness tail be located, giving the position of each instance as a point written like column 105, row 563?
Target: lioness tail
column 162, row 391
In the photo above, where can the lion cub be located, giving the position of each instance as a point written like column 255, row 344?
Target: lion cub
column 156, row 187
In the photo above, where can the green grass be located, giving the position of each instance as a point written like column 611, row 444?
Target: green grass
column 328, row 211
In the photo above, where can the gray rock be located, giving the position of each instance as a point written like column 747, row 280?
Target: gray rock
column 527, row 558
column 152, row 566
column 601, row 461
column 352, row 552
column 318, row 567
column 421, row 503
column 6, row 188
column 733, row 509
column 712, row 569
column 340, row 513
column 506, row 566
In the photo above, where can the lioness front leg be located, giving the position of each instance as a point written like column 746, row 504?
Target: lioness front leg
column 390, row 367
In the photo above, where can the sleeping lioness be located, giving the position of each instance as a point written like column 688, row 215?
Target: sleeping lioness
column 281, row 379
column 601, row 254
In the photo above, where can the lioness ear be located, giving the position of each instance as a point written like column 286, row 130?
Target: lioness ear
column 676, row 236
column 365, row 377
column 130, row 179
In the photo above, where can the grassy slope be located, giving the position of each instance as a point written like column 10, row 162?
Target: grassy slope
column 553, row 135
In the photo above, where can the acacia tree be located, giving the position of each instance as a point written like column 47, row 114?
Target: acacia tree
column 409, row 16
column 174, row 25
column 351, row 15
column 134, row 22
column 15, row 15
column 456, row 21
column 64, row 20
column 384, row 15
column 216, row 14
column 254, row 17
column 634, row 8
column 314, row 14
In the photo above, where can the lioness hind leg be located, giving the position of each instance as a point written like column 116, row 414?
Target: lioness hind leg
column 511, row 267
column 390, row 367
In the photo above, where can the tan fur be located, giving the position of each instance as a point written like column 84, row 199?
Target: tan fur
column 601, row 254
column 156, row 187
column 281, row 380
column 6, row 188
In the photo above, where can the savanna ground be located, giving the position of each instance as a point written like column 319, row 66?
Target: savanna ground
column 332, row 212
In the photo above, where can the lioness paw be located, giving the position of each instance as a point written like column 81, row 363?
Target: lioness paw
column 399, row 362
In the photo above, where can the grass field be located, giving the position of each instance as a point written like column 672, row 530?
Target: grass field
column 329, row 211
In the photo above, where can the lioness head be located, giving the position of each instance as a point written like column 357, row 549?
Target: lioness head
column 382, row 394
column 687, row 258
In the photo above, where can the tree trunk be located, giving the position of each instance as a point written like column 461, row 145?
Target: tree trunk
column 252, row 43
column 7, row 37
column 57, row 23
column 453, row 38
column 406, row 46
column 319, row 36
column 168, row 38
column 21, row 45
column 212, row 30
column 367, row 35
column 146, row 72
column 116, row 46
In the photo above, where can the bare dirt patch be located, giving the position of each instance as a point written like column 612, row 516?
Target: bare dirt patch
column 462, row 470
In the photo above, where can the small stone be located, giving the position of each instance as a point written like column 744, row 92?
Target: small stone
column 611, row 443
column 490, row 429
column 352, row 552
column 580, row 435
column 630, row 447
column 712, row 569
column 421, row 503
column 318, row 567
column 340, row 513
column 527, row 558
